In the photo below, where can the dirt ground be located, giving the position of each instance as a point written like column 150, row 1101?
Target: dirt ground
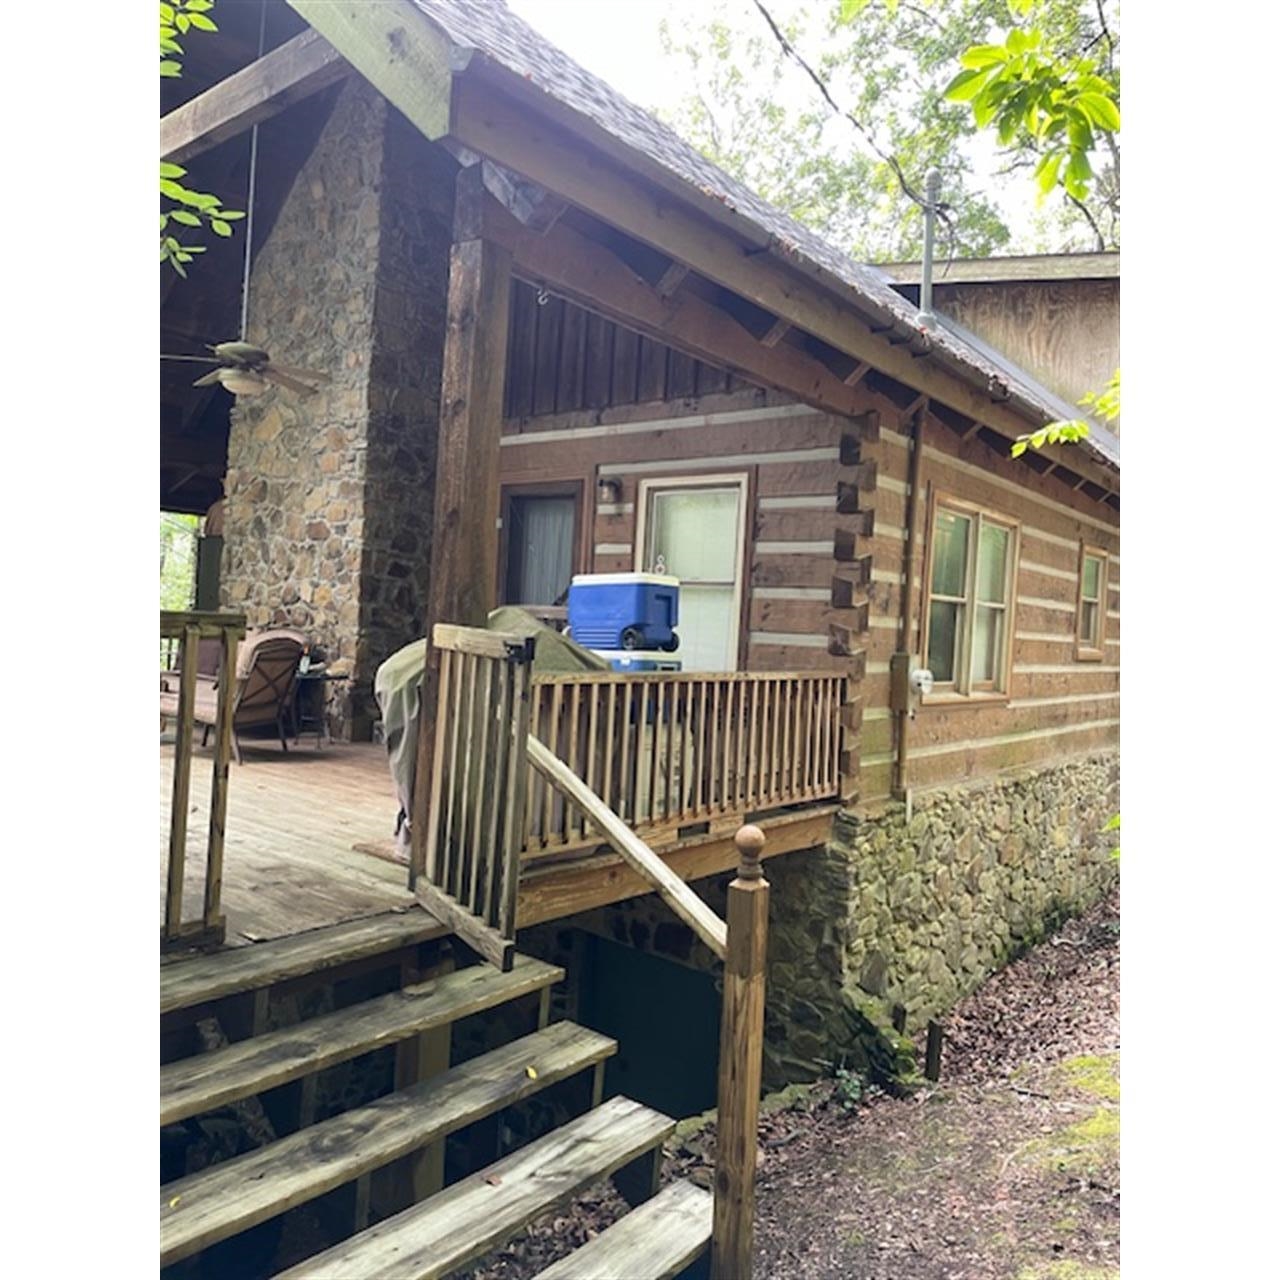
column 1007, row 1169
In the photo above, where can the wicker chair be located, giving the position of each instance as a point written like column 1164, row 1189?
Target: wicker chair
column 266, row 675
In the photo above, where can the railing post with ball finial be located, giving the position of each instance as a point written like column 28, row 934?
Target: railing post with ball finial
column 741, row 1050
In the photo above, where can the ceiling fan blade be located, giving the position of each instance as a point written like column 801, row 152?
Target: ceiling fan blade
column 273, row 374
column 240, row 353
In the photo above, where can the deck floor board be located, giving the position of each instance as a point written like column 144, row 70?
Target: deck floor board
column 292, row 820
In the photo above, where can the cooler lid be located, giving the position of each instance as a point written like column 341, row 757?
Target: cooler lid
column 623, row 579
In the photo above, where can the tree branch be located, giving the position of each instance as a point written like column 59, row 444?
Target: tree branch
column 1089, row 218
column 886, row 157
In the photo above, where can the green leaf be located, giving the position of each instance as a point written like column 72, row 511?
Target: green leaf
column 168, row 170
column 173, row 190
column 187, row 219
column 1047, row 171
column 1019, row 447
column 177, row 266
column 966, row 85
column 220, row 228
column 983, row 55
column 201, row 23
column 1079, row 171
column 1101, row 110
column 198, row 6
column 1113, row 823
column 182, row 22
column 170, row 69
column 230, row 215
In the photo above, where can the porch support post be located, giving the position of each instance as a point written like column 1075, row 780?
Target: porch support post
column 464, row 540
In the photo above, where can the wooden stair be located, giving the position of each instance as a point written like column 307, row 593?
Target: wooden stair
column 195, row 1085
column 654, row 1242
column 473, row 1216
column 454, row 1226
column 231, row 1197
column 197, row 980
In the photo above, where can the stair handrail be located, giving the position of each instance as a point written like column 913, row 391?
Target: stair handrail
column 674, row 891
column 741, row 942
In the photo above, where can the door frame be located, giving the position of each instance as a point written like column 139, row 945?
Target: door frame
column 706, row 480
column 575, row 487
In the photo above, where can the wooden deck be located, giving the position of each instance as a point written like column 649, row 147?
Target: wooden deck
column 292, row 820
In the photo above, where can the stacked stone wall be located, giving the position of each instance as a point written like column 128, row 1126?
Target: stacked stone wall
column 892, row 911
column 328, row 496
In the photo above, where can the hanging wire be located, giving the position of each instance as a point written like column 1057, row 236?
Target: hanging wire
column 253, row 182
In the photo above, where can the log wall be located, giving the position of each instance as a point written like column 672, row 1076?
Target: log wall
column 827, row 515
column 1057, row 706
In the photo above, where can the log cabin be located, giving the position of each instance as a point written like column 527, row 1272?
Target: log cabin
column 559, row 341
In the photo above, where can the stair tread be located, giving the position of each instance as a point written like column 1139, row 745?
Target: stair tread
column 198, row 1210
column 468, row 1219
column 194, row 1085
column 199, row 979
column 654, row 1242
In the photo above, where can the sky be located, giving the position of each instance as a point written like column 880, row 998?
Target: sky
column 618, row 40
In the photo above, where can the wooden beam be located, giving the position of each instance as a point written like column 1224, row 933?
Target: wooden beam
column 671, row 279
column 397, row 49
column 496, row 125
column 589, row 274
column 300, row 67
column 775, row 333
column 553, row 891
column 857, row 374
column 464, row 541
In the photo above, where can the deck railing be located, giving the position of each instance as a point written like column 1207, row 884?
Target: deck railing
column 471, row 863
column 608, row 754
column 187, row 629
column 672, row 750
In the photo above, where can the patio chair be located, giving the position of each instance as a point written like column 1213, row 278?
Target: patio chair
column 266, row 673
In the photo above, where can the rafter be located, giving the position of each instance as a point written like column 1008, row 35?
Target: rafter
column 300, row 67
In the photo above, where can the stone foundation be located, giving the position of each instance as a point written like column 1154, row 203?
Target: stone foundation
column 891, row 912
column 917, row 912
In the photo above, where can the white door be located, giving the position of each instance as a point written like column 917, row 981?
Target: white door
column 695, row 529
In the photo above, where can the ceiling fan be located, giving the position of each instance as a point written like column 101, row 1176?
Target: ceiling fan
column 244, row 368
column 247, row 370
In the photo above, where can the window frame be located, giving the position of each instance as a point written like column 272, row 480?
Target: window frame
column 1086, row 651
column 965, row 691
column 572, row 487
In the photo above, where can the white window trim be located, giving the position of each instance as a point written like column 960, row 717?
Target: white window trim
column 1086, row 652
column 960, row 690
column 723, row 480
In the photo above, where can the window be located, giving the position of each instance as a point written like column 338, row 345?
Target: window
column 969, row 610
column 540, row 530
column 695, row 529
column 1091, row 610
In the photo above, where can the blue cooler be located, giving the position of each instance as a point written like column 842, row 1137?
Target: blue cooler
column 624, row 611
